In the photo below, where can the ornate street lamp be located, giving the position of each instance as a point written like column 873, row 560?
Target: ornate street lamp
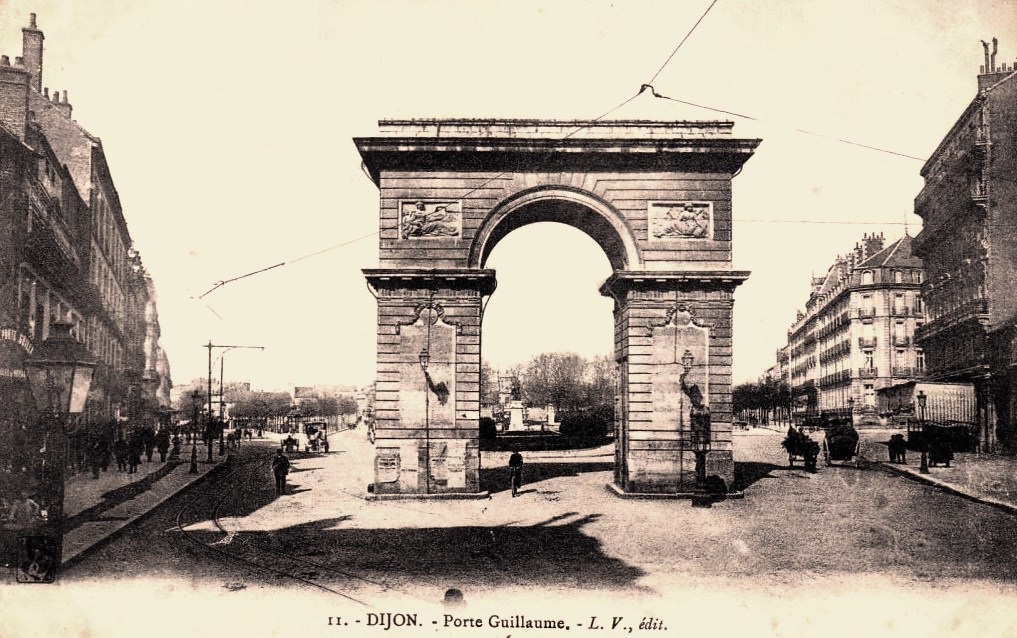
column 687, row 360
column 699, row 429
column 922, row 399
column 59, row 375
column 425, row 358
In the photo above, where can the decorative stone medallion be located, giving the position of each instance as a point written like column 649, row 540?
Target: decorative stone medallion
column 680, row 220
column 424, row 219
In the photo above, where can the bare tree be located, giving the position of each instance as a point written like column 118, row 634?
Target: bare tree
column 602, row 381
column 488, row 385
column 554, row 379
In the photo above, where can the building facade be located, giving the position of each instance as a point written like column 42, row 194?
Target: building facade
column 969, row 249
column 66, row 256
column 856, row 334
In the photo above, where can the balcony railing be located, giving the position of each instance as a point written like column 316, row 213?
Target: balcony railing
column 868, row 373
column 900, row 311
column 901, row 341
column 865, row 313
column 866, row 342
column 966, row 310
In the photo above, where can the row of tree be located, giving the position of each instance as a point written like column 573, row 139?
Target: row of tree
column 246, row 404
column 764, row 400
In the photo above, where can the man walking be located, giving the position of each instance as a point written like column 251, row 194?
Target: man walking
column 280, row 467
column 516, row 470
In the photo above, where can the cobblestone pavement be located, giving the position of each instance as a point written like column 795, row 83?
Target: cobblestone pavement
column 844, row 547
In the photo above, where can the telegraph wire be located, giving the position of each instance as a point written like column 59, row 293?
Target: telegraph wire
column 798, row 130
column 220, row 284
column 668, row 60
column 642, row 89
column 363, row 167
column 820, row 221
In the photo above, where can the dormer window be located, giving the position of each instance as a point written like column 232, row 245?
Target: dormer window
column 898, row 277
column 866, row 277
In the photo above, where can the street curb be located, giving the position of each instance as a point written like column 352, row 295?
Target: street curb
column 617, row 491
column 946, row 487
column 448, row 496
column 70, row 561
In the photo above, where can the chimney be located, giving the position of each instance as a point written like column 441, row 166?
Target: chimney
column 63, row 104
column 873, row 244
column 31, row 50
column 990, row 74
column 13, row 97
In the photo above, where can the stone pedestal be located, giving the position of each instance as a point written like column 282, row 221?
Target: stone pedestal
column 516, row 421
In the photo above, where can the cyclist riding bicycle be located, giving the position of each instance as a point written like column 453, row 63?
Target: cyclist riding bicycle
column 515, row 470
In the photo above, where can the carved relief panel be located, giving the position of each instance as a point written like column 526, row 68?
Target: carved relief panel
column 680, row 220
column 429, row 219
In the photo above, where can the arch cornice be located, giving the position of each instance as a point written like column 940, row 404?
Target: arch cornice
column 620, row 247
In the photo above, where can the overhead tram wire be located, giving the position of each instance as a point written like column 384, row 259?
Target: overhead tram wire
column 797, row 130
column 222, row 283
column 821, row 221
column 668, row 60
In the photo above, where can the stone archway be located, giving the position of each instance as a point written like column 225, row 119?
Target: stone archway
column 656, row 196
column 570, row 206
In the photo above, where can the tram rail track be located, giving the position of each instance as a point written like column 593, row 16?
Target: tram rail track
column 231, row 550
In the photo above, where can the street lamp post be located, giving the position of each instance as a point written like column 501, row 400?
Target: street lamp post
column 699, row 428
column 195, row 398
column 59, row 374
column 924, row 467
column 425, row 358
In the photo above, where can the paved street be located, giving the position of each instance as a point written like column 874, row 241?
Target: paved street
column 846, row 534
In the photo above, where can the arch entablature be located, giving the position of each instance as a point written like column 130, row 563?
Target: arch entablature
column 574, row 207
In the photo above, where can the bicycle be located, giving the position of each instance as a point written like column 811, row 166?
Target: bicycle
column 515, row 479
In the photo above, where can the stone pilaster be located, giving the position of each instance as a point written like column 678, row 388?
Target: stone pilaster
column 427, row 395
column 673, row 346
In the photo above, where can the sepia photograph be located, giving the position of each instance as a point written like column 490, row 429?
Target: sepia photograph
column 508, row 318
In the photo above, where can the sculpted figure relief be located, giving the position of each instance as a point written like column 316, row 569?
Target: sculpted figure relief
column 429, row 219
column 680, row 220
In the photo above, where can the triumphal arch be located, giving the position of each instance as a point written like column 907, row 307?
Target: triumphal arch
column 656, row 197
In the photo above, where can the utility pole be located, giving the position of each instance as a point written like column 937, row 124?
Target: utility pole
column 226, row 348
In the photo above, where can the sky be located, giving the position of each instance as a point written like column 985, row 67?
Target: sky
column 228, row 128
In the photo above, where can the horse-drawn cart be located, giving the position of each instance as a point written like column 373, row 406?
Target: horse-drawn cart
column 800, row 447
column 841, row 444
